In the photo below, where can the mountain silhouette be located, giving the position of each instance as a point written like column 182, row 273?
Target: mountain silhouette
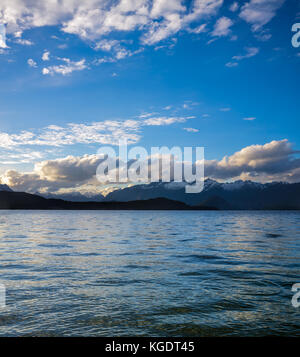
column 239, row 195
column 22, row 200
column 234, row 195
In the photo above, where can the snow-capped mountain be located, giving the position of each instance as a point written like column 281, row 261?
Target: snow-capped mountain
column 233, row 195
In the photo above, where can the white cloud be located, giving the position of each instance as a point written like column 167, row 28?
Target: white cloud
column 63, row 46
column 203, row 9
column 3, row 36
column 106, row 132
column 191, row 130
column 234, row 6
column 46, row 56
column 146, row 115
column 159, row 31
column 153, row 21
column 19, row 156
column 31, row 63
column 22, row 41
column 94, row 19
column 225, row 109
column 67, row 68
column 272, row 161
column 263, row 35
column 188, row 104
column 231, row 64
column 29, row 182
column 169, row 17
column 222, row 27
column 250, row 52
column 102, row 132
column 164, row 120
column 71, row 173
column 69, row 169
column 107, row 45
column 259, row 12
column 199, row 29
column 162, row 8
column 18, row 34
column 250, row 118
column 117, row 51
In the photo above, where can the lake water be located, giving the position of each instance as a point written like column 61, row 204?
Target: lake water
column 149, row 273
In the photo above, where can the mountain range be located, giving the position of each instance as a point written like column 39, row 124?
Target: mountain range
column 234, row 195
column 22, row 200
column 238, row 195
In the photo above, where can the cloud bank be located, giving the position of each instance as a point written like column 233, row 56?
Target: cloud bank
column 274, row 161
column 156, row 20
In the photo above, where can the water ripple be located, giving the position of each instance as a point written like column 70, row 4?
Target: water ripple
column 117, row 273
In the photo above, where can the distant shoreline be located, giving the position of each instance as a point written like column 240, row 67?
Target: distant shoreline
column 27, row 201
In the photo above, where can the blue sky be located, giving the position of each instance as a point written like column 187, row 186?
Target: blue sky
column 219, row 74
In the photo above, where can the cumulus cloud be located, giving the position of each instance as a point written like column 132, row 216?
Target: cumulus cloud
column 94, row 19
column 67, row 68
column 70, row 169
column 151, row 21
column 53, row 175
column 28, row 182
column 76, row 173
column 272, row 161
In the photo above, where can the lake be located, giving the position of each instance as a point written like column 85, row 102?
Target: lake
column 149, row 273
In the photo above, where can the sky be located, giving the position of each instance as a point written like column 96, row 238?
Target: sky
column 77, row 75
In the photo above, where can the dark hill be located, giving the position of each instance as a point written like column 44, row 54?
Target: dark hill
column 22, row 200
